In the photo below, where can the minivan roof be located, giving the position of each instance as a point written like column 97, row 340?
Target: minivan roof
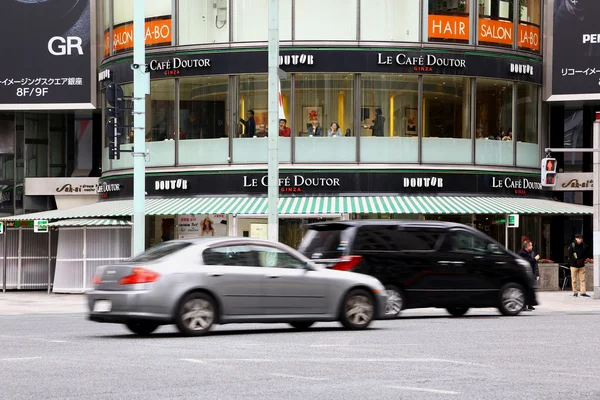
column 403, row 223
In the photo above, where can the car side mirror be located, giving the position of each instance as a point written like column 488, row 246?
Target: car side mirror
column 309, row 266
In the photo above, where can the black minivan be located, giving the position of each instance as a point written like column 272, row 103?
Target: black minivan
column 426, row 264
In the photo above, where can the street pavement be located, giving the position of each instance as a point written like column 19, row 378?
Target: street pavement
column 551, row 353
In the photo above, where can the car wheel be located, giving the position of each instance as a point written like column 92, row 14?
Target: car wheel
column 358, row 309
column 457, row 311
column 196, row 314
column 512, row 299
column 302, row 325
column 141, row 327
column 395, row 301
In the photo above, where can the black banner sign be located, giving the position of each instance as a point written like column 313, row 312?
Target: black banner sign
column 48, row 55
column 327, row 183
column 331, row 61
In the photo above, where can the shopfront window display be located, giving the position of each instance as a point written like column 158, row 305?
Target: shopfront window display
column 203, row 125
column 252, row 124
column 447, row 21
column 321, row 100
column 446, row 107
column 389, row 107
column 494, row 122
column 495, row 23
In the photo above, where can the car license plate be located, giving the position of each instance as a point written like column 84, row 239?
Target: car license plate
column 102, row 306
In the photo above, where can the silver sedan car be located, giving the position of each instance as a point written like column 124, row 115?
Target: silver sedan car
column 197, row 283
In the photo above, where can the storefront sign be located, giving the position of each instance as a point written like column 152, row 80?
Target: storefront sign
column 157, row 32
column 573, row 65
column 448, row 27
column 495, row 31
column 61, row 186
column 470, row 64
column 573, row 182
column 171, row 184
column 296, row 59
column 104, row 187
column 311, row 183
column 104, row 75
column 529, row 37
column 521, row 69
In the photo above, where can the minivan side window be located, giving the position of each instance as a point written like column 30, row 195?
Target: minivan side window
column 466, row 242
column 391, row 238
column 235, row 256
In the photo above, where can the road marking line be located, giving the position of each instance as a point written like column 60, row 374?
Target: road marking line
column 193, row 360
column 310, row 378
column 33, row 339
column 258, row 360
column 20, row 359
column 416, row 389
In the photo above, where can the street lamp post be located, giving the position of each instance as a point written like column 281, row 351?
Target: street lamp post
column 273, row 139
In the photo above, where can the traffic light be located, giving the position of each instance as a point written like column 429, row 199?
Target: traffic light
column 548, row 172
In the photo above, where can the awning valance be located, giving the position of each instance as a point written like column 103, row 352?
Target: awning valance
column 90, row 222
column 318, row 206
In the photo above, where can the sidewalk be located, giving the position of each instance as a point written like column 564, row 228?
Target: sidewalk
column 16, row 303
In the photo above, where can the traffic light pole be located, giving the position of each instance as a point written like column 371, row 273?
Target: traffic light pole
column 141, row 87
column 273, row 139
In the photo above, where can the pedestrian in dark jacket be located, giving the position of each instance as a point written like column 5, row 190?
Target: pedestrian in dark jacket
column 528, row 254
column 577, row 256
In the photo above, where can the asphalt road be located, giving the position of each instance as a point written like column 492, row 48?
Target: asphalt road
column 424, row 356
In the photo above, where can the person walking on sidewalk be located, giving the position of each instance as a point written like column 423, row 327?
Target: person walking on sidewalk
column 527, row 253
column 577, row 256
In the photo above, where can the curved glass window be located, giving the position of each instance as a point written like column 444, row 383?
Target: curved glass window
column 494, row 130
column 323, row 100
column 106, row 26
column 203, row 125
column 203, row 21
column 325, row 20
column 390, row 20
column 530, row 15
column 446, row 21
column 389, row 106
column 446, row 120
column 251, row 24
column 528, row 153
column 252, row 125
column 496, row 25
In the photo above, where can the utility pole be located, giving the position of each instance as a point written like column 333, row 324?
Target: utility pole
column 273, row 139
column 141, row 88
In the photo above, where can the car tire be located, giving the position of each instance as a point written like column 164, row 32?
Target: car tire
column 457, row 311
column 395, row 302
column 358, row 309
column 196, row 314
column 512, row 299
column 143, row 328
column 302, row 325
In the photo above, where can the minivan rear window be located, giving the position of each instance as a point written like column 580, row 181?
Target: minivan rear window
column 325, row 243
column 159, row 251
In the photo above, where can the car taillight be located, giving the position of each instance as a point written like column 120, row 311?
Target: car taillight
column 97, row 280
column 139, row 275
column 348, row 263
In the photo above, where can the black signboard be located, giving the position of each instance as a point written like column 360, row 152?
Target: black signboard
column 331, row 60
column 325, row 183
column 576, row 47
column 47, row 54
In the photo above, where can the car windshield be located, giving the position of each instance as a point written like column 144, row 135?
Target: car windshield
column 324, row 242
column 159, row 251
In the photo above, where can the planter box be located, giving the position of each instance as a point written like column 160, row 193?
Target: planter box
column 550, row 277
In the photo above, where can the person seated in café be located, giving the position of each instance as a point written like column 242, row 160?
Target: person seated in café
column 284, row 130
column 479, row 132
column 334, row 130
column 315, row 129
column 262, row 131
column 508, row 135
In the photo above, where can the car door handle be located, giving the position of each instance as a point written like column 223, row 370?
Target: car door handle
column 272, row 276
column 451, row 262
column 500, row 262
column 216, row 274
column 444, row 262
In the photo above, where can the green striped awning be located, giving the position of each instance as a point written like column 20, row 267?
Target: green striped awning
column 90, row 222
column 318, row 206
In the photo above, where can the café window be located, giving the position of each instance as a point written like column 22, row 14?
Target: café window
column 388, row 113
column 494, row 130
column 203, row 126
column 495, row 23
column 527, row 126
column 530, row 14
column 324, row 113
column 203, row 21
column 447, row 21
column 390, row 20
column 251, row 23
column 326, row 20
column 446, row 127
